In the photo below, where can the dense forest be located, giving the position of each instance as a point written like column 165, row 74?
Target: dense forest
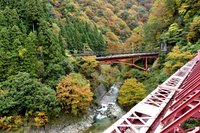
column 39, row 78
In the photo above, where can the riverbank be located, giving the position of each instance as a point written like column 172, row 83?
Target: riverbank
column 96, row 121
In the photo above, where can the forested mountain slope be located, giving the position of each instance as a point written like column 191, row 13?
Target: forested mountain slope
column 174, row 22
column 38, row 76
column 120, row 21
column 34, row 44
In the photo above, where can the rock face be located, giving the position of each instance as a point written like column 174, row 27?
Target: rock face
column 62, row 127
column 109, row 107
column 78, row 127
column 110, row 110
column 100, row 92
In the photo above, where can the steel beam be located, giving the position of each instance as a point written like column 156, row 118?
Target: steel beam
column 143, row 116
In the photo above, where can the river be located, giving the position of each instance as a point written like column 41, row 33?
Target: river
column 108, row 112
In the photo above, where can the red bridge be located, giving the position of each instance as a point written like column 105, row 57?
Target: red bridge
column 122, row 59
column 168, row 106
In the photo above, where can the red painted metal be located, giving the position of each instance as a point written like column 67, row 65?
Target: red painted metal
column 120, row 59
column 131, row 64
column 168, row 106
column 181, row 106
column 181, row 119
column 186, row 103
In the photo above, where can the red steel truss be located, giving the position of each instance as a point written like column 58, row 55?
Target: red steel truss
column 122, row 59
column 168, row 106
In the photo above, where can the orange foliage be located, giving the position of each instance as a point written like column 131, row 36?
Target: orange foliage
column 57, row 13
column 116, row 47
column 89, row 12
column 135, row 41
column 74, row 94
column 41, row 119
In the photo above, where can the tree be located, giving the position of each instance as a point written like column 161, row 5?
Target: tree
column 173, row 35
column 33, row 11
column 74, row 94
column 130, row 93
column 25, row 94
column 194, row 34
column 160, row 17
column 51, row 54
column 110, row 75
column 83, row 36
column 89, row 67
column 175, row 60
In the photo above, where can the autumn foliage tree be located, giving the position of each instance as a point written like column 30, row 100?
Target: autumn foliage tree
column 8, row 123
column 110, row 75
column 130, row 93
column 175, row 60
column 89, row 67
column 74, row 94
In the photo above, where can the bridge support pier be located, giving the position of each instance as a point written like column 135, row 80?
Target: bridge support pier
column 146, row 63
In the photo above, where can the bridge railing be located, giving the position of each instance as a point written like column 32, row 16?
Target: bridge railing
column 142, row 116
column 100, row 54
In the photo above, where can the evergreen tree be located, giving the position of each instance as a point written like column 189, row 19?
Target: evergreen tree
column 26, row 94
column 52, row 52
column 34, row 11
column 80, row 35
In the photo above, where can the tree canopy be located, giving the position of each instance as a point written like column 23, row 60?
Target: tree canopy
column 130, row 93
column 74, row 94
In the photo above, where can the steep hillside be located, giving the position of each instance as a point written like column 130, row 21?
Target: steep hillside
column 120, row 21
column 174, row 22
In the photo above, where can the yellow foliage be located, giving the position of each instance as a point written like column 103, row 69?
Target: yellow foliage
column 135, row 41
column 74, row 94
column 41, row 119
column 178, row 2
column 90, row 61
column 116, row 47
column 3, row 92
column 112, row 37
column 190, row 36
column 194, row 29
column 10, row 122
column 176, row 59
column 22, row 52
column 89, row 65
column 89, row 12
column 131, row 92
column 56, row 29
column 195, row 23
column 57, row 13
column 173, row 27
column 183, row 8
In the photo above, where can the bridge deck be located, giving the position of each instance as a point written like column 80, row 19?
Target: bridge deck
column 126, row 56
column 146, row 115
